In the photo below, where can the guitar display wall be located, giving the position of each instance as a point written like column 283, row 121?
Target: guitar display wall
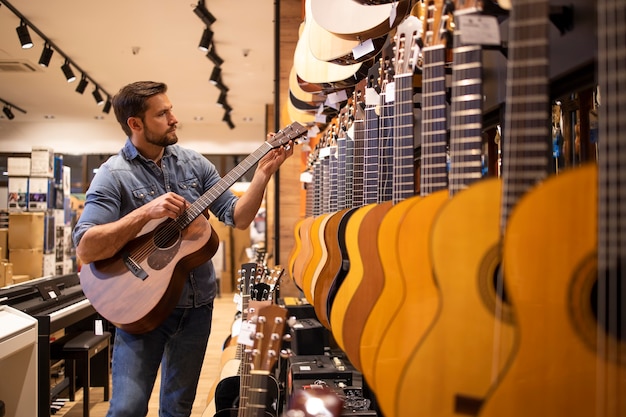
column 430, row 294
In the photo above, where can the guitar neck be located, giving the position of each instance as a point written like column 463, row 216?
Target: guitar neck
column 370, row 156
column 612, row 155
column 434, row 176
column 255, row 406
column 403, row 171
column 526, row 145
column 385, row 147
column 466, row 114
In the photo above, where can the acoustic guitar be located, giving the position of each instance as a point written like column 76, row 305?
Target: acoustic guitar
column 407, row 56
column 351, row 20
column 408, row 259
column 471, row 340
column 565, row 274
column 139, row 286
column 317, row 76
column 344, row 292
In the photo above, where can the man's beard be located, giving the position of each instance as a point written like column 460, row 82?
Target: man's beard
column 168, row 138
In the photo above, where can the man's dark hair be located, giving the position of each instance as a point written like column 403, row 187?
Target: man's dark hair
column 130, row 101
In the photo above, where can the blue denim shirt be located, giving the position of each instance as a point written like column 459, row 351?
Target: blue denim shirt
column 127, row 181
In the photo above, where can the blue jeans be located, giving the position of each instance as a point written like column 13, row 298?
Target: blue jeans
column 178, row 345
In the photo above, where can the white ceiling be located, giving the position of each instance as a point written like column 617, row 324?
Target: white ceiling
column 100, row 38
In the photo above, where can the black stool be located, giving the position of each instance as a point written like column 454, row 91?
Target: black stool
column 78, row 353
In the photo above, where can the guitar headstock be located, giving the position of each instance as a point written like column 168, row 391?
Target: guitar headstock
column 270, row 327
column 290, row 133
column 436, row 23
column 408, row 45
column 247, row 274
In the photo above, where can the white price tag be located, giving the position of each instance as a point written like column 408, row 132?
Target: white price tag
column 237, row 301
column 306, row 177
column 479, row 30
column 98, row 327
column 246, row 334
column 363, row 49
column 390, row 92
column 337, row 97
column 371, row 97
column 52, row 294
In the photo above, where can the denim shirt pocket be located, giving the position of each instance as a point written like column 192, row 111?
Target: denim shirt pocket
column 145, row 194
column 191, row 188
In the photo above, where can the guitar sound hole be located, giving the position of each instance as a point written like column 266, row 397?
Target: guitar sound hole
column 167, row 235
column 607, row 303
column 498, row 285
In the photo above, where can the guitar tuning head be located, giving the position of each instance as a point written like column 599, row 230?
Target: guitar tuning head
column 287, row 337
column 291, row 321
column 286, row 353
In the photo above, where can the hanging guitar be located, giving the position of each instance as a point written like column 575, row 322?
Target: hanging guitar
column 139, row 286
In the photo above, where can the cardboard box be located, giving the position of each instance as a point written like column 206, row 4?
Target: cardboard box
column 4, row 243
column 18, row 166
column 42, row 162
column 18, row 194
column 27, row 262
column 6, row 273
column 40, row 194
column 26, row 230
column 18, row 279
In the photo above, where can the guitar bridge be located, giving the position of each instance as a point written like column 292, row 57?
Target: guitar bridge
column 134, row 267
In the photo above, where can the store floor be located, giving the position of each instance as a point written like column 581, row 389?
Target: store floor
column 223, row 316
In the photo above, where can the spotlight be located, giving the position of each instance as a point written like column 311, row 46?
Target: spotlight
column 215, row 75
column 221, row 101
column 201, row 11
column 228, row 120
column 107, row 106
column 46, row 55
column 24, row 35
column 8, row 113
column 97, row 96
column 227, row 108
column 205, row 40
column 213, row 56
column 80, row 88
column 67, row 70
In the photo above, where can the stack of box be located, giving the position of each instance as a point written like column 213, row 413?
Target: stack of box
column 39, row 189
column 26, row 242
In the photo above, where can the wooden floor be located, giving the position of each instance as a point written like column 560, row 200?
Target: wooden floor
column 223, row 315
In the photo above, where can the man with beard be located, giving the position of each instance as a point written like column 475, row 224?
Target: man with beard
column 153, row 178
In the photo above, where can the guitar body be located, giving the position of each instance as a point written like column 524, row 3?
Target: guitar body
column 350, row 20
column 229, row 396
column 408, row 260
column 392, row 292
column 304, row 255
column 370, row 283
column 295, row 251
column 138, row 305
column 317, row 252
column 353, row 277
column 340, row 276
column 559, row 368
column 466, row 349
column 330, row 268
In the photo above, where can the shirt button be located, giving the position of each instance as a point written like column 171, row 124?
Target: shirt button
column 141, row 195
column 152, row 192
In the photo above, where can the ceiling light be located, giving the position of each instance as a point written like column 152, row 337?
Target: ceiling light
column 215, row 75
column 205, row 40
column 97, row 96
column 46, row 55
column 203, row 13
column 222, row 99
column 82, row 84
column 107, row 106
column 24, row 35
column 213, row 56
column 67, row 70
column 8, row 113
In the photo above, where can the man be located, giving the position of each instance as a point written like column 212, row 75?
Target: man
column 152, row 178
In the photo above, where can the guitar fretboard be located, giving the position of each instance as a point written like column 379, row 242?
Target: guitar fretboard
column 434, row 176
column 526, row 144
column 385, row 148
column 403, row 171
column 370, row 156
column 465, row 115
